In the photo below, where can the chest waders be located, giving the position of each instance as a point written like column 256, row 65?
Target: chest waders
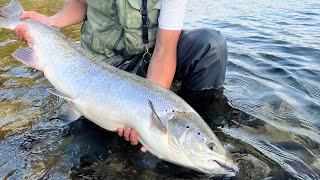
column 117, row 27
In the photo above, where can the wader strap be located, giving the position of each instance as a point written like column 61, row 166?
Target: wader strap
column 144, row 13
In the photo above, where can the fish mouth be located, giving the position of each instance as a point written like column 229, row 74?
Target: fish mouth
column 233, row 168
column 224, row 161
column 228, row 167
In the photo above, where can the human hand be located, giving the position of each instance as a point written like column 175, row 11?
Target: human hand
column 21, row 31
column 130, row 135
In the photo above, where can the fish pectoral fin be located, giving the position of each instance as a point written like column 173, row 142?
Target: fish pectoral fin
column 155, row 120
column 27, row 57
column 69, row 114
column 60, row 94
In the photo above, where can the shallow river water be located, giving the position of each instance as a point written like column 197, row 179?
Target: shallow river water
column 271, row 103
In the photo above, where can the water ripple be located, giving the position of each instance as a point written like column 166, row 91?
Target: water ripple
column 288, row 161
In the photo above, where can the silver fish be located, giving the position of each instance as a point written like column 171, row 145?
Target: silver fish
column 111, row 98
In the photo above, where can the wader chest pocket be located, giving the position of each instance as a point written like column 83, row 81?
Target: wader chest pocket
column 130, row 16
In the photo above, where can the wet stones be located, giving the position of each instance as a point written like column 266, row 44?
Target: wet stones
column 251, row 167
column 29, row 142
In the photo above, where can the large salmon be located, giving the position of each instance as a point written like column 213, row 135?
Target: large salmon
column 111, row 98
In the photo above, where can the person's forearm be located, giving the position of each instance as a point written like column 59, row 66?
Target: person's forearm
column 74, row 12
column 162, row 68
column 164, row 59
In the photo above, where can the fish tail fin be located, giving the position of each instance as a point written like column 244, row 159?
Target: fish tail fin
column 13, row 10
column 8, row 23
column 10, row 15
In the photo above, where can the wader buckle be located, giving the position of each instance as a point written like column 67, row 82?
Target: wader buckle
column 147, row 55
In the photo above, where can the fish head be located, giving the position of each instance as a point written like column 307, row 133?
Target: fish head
column 193, row 144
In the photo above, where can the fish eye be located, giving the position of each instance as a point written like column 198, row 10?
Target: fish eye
column 212, row 146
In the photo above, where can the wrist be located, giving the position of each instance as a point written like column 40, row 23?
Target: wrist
column 53, row 21
column 159, row 82
column 160, row 74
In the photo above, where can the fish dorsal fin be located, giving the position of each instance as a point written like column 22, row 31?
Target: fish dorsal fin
column 13, row 10
column 59, row 94
column 155, row 120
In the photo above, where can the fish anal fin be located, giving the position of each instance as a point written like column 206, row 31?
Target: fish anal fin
column 155, row 120
column 27, row 57
column 60, row 94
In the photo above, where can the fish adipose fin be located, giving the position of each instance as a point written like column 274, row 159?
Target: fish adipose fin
column 10, row 15
column 27, row 57
column 155, row 120
column 59, row 94
column 69, row 114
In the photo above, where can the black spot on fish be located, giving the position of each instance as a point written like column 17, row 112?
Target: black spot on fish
column 187, row 127
column 172, row 110
column 198, row 133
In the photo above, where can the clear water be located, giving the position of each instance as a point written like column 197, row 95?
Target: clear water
column 272, row 86
column 273, row 75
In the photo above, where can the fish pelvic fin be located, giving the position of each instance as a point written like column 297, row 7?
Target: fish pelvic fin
column 60, row 94
column 10, row 15
column 155, row 120
column 27, row 57
column 69, row 114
